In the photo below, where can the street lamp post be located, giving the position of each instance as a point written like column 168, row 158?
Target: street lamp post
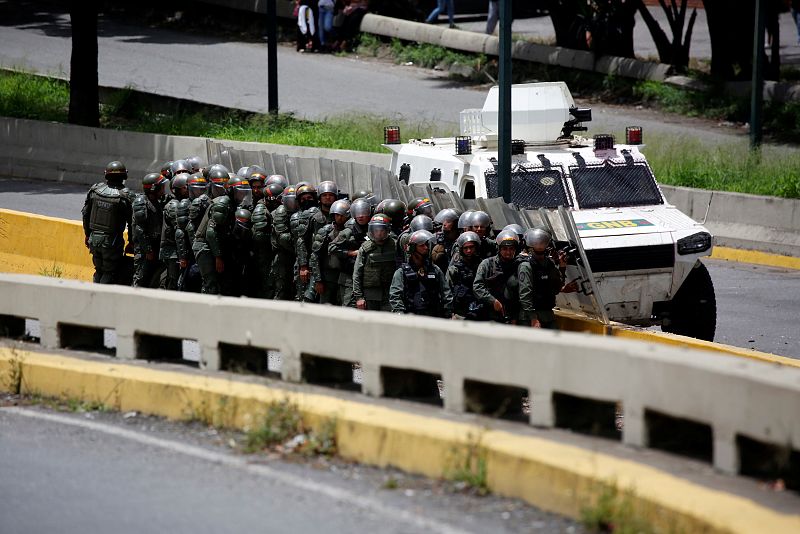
column 504, row 104
column 757, row 90
column 272, row 57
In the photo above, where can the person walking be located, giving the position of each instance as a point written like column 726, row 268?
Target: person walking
column 440, row 7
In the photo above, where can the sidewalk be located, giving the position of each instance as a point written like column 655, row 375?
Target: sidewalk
column 541, row 29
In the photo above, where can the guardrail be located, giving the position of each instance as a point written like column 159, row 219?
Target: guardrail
column 718, row 405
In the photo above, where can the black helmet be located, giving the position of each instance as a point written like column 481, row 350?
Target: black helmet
column 379, row 227
column 243, row 222
column 218, row 176
column 421, row 222
column 341, row 207
column 179, row 186
column 420, row 206
column 166, row 171
column 273, row 192
column 256, row 173
column 395, row 209
column 195, row 162
column 238, row 189
column 277, row 179
column 197, row 185
column 360, row 207
column 468, row 237
column 156, row 184
column 180, row 166
column 116, row 172
column 418, row 238
column 306, row 196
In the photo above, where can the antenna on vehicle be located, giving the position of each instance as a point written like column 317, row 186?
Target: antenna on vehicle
column 708, row 208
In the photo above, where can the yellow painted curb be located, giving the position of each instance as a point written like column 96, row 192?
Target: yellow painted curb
column 553, row 476
column 756, row 257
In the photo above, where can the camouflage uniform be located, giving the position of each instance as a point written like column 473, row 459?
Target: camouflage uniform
column 262, row 249
column 373, row 273
column 326, row 267
column 283, row 261
column 210, row 242
column 420, row 291
column 539, row 283
column 105, row 213
column 148, row 217
column 349, row 239
column 497, row 280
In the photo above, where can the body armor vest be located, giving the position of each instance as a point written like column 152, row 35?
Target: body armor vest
column 421, row 293
column 379, row 264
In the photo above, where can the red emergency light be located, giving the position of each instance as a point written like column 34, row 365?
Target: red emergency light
column 391, row 135
column 633, row 135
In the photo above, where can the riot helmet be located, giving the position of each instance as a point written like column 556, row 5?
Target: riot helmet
column 195, row 162
column 420, row 206
column 421, row 222
column 508, row 244
column 517, row 229
column 166, row 171
column 289, row 199
column 417, row 240
column 538, row 240
column 272, row 195
column 328, row 192
column 179, row 186
column 361, row 211
column 155, row 186
column 468, row 243
column 197, row 185
column 447, row 216
column 277, row 179
column 116, row 172
column 218, row 177
column 239, row 190
column 306, row 196
column 341, row 207
column 180, row 166
column 481, row 224
column 463, row 220
column 243, row 223
column 379, row 227
column 395, row 209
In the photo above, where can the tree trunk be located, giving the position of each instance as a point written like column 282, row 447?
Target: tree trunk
column 84, row 98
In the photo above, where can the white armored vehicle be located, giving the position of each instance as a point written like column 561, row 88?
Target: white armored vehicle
column 635, row 255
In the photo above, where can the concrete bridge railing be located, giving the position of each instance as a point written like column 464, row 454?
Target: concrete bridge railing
column 717, row 404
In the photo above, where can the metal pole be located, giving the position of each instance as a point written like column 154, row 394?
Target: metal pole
column 757, row 89
column 504, row 120
column 272, row 57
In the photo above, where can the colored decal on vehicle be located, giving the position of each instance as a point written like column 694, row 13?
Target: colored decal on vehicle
column 606, row 225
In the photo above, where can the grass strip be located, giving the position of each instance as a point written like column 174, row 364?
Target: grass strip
column 675, row 161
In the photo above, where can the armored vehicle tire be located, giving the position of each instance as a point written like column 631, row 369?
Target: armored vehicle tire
column 693, row 311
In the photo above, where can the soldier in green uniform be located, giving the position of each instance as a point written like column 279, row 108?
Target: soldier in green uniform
column 345, row 247
column 313, row 220
column 168, row 253
column 418, row 286
column 148, row 219
column 262, row 245
column 375, row 266
column 299, row 222
column 283, row 246
column 396, row 210
column 326, row 267
column 540, row 280
column 480, row 222
column 496, row 284
column 190, row 214
column 446, row 228
column 419, row 222
column 105, row 213
column 461, row 277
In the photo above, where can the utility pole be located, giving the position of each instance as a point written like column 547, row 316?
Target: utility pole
column 757, row 88
column 504, row 104
column 272, row 57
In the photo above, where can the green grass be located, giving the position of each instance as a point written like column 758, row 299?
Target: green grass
column 675, row 161
column 682, row 162
column 615, row 511
column 282, row 424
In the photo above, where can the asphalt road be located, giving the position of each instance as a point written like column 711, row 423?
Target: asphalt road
column 94, row 472
column 757, row 307
column 218, row 71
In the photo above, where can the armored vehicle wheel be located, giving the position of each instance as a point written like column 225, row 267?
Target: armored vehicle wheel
column 693, row 311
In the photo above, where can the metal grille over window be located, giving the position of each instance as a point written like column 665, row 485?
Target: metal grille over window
column 612, row 185
column 532, row 187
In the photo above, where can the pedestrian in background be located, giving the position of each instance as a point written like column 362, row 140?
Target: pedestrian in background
column 493, row 16
column 796, row 17
column 440, row 6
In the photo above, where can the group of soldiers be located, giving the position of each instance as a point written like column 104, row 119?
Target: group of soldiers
column 206, row 229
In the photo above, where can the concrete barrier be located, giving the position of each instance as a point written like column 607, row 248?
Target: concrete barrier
column 484, row 366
